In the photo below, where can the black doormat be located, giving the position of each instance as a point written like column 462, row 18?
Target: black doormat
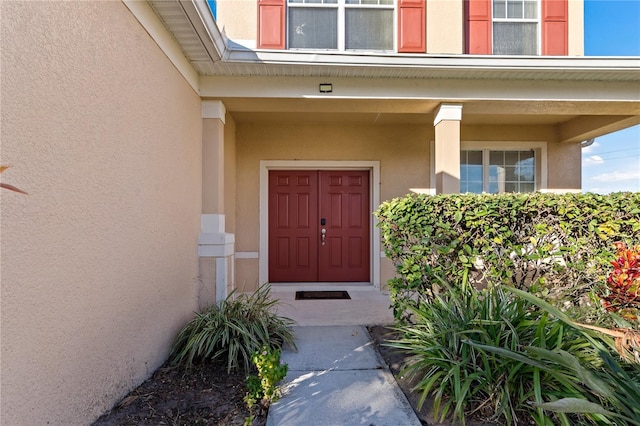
column 321, row 295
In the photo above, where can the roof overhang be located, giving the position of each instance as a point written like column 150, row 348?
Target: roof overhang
column 585, row 96
column 213, row 54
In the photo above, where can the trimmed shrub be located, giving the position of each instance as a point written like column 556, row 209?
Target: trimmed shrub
column 557, row 246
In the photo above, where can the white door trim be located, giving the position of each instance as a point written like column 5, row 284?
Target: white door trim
column 374, row 188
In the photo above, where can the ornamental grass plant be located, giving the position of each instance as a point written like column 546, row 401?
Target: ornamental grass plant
column 610, row 388
column 451, row 344
column 232, row 331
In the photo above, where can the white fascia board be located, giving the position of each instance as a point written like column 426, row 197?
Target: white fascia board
column 143, row 12
column 485, row 62
column 450, row 91
column 206, row 27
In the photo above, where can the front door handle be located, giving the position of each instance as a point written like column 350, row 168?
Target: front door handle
column 324, row 233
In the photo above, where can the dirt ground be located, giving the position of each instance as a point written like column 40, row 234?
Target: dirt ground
column 208, row 395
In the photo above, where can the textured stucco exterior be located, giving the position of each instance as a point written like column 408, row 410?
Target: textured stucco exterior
column 576, row 28
column 565, row 166
column 238, row 19
column 230, row 174
column 445, row 17
column 99, row 262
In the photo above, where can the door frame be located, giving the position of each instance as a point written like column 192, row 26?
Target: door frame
column 374, row 198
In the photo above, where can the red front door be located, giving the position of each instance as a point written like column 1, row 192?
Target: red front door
column 318, row 226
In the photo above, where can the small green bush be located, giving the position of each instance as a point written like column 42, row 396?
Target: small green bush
column 450, row 343
column 262, row 389
column 233, row 330
column 558, row 246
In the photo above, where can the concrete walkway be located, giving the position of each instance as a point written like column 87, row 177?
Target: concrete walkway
column 337, row 377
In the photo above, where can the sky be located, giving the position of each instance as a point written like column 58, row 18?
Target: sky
column 612, row 163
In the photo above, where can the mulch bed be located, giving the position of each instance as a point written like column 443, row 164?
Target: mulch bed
column 208, row 395
column 204, row 395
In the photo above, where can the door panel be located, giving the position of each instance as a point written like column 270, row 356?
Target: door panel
column 344, row 202
column 298, row 200
column 293, row 218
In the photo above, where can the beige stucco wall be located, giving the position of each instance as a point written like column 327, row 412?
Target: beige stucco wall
column 445, row 26
column 212, row 171
column 447, row 157
column 576, row 28
column 239, row 19
column 502, row 132
column 99, row 261
column 230, row 174
column 564, row 166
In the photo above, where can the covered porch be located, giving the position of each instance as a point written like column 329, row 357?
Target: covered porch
column 411, row 121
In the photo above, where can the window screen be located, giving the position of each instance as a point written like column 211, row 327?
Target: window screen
column 369, row 29
column 341, row 24
column 515, row 27
column 313, row 28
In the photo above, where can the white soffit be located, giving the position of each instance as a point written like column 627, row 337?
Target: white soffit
column 212, row 55
column 343, row 64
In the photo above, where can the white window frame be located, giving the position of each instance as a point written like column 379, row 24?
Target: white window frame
column 540, row 155
column 520, row 20
column 341, row 5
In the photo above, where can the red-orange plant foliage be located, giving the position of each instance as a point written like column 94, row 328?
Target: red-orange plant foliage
column 623, row 284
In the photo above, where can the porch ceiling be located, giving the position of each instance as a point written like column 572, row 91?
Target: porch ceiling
column 512, row 109
column 575, row 121
column 383, row 119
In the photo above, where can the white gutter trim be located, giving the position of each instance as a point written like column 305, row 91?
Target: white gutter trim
column 205, row 26
column 493, row 62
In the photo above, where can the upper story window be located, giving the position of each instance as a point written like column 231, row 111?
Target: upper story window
column 341, row 24
column 515, row 27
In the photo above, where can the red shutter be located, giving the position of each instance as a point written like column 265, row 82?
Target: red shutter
column 555, row 28
column 478, row 27
column 412, row 26
column 271, row 24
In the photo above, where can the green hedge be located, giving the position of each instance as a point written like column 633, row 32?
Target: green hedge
column 558, row 246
